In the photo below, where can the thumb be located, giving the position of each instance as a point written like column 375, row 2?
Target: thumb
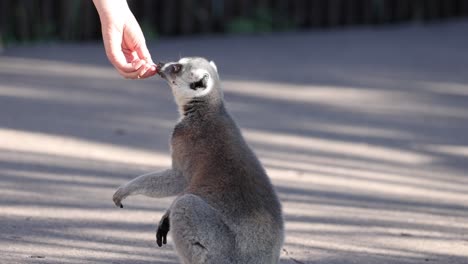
column 144, row 54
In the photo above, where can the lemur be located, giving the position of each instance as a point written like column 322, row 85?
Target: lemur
column 226, row 210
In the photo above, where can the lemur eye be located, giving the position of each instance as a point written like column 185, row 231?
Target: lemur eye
column 176, row 68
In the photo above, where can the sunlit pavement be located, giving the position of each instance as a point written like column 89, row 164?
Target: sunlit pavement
column 364, row 133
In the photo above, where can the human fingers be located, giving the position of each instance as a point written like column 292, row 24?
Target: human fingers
column 150, row 70
column 138, row 64
column 116, row 55
column 142, row 70
column 128, row 75
column 143, row 53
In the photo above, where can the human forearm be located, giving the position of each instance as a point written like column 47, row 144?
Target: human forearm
column 106, row 7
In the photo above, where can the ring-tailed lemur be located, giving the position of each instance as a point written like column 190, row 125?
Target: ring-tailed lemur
column 226, row 210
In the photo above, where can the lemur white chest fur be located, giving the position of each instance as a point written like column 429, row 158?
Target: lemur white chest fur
column 226, row 210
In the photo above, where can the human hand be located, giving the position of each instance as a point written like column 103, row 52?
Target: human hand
column 123, row 40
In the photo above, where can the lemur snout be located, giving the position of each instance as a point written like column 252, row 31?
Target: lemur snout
column 159, row 67
column 164, row 68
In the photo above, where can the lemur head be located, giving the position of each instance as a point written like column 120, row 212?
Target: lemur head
column 192, row 80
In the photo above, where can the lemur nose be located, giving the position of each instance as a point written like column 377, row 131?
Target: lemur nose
column 176, row 67
column 159, row 66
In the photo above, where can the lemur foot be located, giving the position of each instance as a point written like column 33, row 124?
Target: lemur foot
column 119, row 196
column 163, row 229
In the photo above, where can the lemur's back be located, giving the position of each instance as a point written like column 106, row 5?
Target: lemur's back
column 223, row 170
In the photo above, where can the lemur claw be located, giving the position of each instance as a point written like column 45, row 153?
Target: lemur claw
column 118, row 196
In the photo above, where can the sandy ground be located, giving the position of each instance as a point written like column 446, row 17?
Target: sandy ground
column 364, row 133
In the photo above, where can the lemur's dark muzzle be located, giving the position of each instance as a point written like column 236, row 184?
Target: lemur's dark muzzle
column 159, row 66
column 172, row 69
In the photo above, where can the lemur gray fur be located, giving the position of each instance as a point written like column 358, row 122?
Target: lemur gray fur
column 226, row 210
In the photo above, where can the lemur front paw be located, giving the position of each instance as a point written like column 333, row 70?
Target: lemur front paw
column 119, row 196
column 163, row 229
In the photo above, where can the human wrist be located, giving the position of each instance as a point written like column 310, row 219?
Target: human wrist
column 110, row 8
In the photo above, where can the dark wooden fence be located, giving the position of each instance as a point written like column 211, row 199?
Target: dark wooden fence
column 76, row 20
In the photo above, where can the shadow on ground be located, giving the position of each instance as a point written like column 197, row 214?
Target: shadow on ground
column 362, row 131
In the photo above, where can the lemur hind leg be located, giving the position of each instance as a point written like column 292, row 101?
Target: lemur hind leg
column 199, row 234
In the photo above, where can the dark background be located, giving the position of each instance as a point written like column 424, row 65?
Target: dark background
column 76, row 20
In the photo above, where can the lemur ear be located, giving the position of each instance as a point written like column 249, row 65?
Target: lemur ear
column 214, row 65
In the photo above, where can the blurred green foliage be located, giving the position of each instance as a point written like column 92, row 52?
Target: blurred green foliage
column 264, row 20
column 261, row 22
